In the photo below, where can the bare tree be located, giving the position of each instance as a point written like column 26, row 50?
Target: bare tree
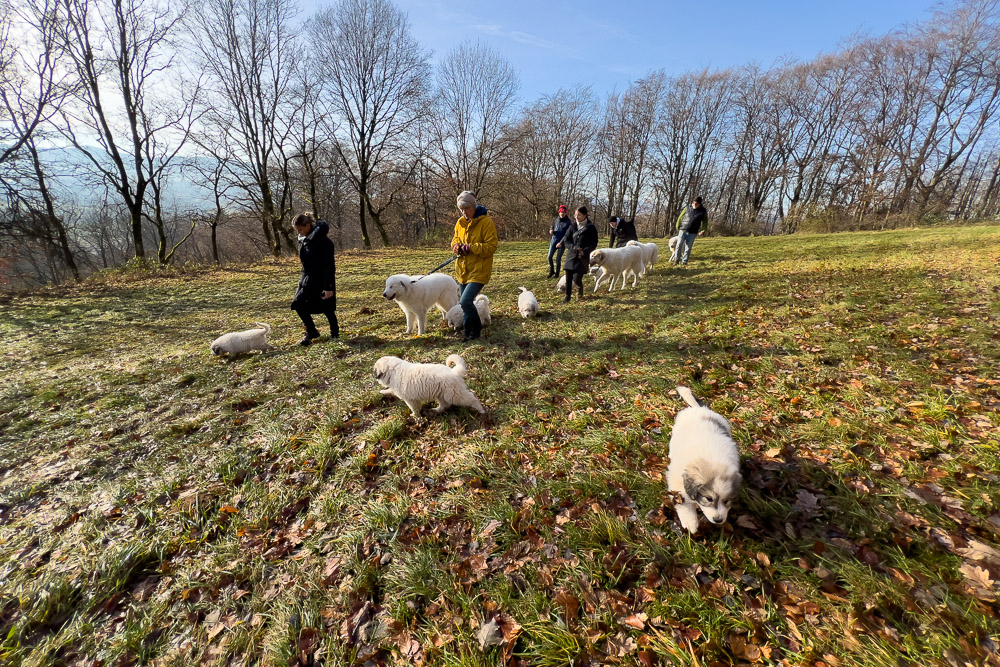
column 33, row 91
column 377, row 80
column 477, row 90
column 121, row 55
column 248, row 50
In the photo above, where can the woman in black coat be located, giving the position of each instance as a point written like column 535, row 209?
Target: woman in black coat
column 580, row 242
column 317, row 291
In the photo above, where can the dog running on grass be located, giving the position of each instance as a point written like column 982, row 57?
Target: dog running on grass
column 242, row 342
column 704, row 463
column 417, row 384
column 527, row 304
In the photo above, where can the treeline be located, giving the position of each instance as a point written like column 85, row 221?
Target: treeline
column 342, row 112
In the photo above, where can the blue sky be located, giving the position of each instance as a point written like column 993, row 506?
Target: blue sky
column 557, row 43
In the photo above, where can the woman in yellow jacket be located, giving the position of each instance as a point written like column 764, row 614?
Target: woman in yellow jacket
column 474, row 242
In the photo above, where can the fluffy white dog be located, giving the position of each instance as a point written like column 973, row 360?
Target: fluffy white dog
column 674, row 244
column 242, row 342
column 417, row 384
column 615, row 262
column 527, row 304
column 418, row 294
column 455, row 317
column 704, row 463
column 561, row 285
column 650, row 253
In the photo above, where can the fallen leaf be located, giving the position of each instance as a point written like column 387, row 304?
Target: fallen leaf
column 489, row 634
column 637, row 621
column 980, row 551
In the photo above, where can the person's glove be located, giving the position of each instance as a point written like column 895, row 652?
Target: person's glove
column 465, row 249
column 457, row 248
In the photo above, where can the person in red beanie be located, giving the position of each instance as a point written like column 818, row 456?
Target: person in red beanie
column 557, row 231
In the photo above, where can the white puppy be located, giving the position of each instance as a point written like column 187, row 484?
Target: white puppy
column 561, row 285
column 527, row 304
column 418, row 294
column 417, row 384
column 614, row 262
column 650, row 253
column 456, row 317
column 241, row 342
column 704, row 463
column 674, row 244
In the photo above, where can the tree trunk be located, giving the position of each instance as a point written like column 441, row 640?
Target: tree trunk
column 215, row 244
column 50, row 211
column 361, row 218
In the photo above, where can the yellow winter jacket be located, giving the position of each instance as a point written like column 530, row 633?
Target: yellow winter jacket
column 481, row 235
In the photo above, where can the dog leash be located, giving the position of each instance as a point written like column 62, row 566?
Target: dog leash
column 438, row 268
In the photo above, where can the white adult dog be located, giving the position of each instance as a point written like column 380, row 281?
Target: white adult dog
column 527, row 304
column 456, row 317
column 418, row 294
column 417, row 384
column 242, row 342
column 704, row 463
column 650, row 253
column 614, row 262
column 675, row 244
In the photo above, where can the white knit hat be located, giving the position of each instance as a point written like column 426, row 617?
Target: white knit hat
column 467, row 198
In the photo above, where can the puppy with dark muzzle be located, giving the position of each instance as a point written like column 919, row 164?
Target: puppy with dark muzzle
column 704, row 464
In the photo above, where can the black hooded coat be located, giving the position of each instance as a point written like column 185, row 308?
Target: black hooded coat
column 319, row 272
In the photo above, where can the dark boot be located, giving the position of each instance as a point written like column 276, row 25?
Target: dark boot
column 309, row 337
column 334, row 326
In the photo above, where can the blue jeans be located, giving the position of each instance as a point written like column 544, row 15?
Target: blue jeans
column 467, row 299
column 558, row 252
column 684, row 244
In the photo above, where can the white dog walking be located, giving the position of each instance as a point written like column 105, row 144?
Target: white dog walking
column 704, row 463
column 418, row 294
column 527, row 304
column 242, row 342
column 417, row 384
column 614, row 262
column 650, row 253
column 456, row 316
column 674, row 244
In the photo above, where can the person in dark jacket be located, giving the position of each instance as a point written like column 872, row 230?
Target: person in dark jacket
column 622, row 231
column 557, row 231
column 580, row 242
column 317, row 292
column 692, row 223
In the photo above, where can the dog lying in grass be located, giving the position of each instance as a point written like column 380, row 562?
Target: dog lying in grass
column 527, row 304
column 243, row 342
column 704, row 464
column 456, row 316
column 417, row 384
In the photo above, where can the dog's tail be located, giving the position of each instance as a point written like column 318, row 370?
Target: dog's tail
column 689, row 397
column 456, row 362
column 266, row 327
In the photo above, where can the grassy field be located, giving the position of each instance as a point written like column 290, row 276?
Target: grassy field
column 162, row 506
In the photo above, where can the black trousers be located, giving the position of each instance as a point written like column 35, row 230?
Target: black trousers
column 331, row 317
column 573, row 278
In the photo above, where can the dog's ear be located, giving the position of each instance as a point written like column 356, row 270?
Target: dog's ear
column 692, row 487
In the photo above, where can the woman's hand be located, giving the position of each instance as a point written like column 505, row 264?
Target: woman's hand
column 327, row 294
column 457, row 248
